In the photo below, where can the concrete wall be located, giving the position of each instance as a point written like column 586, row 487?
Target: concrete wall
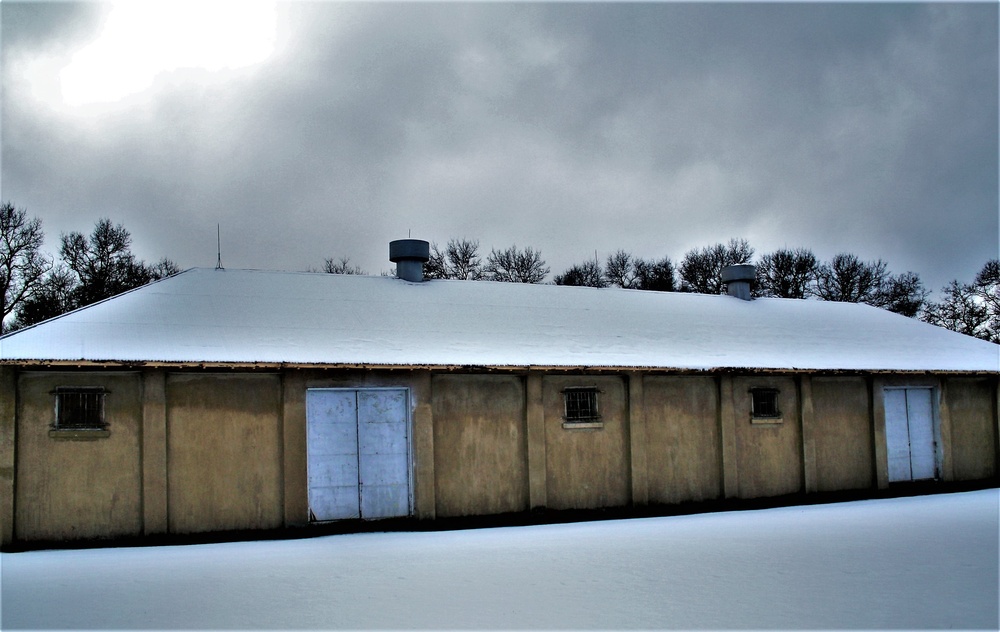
column 586, row 467
column 683, row 444
column 842, row 432
column 196, row 450
column 768, row 452
column 224, row 449
column 8, row 438
column 480, row 445
column 75, row 484
column 971, row 406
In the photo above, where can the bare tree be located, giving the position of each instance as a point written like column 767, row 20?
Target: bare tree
column 903, row 294
column 103, row 263
column 961, row 311
column 93, row 268
column 701, row 270
column 626, row 271
column 587, row 274
column 619, row 270
column 657, row 276
column 54, row 296
column 164, row 268
column 22, row 264
column 970, row 308
column 460, row 260
column 987, row 289
column 341, row 266
column 463, row 259
column 786, row 273
column 515, row 266
column 435, row 268
column 847, row 279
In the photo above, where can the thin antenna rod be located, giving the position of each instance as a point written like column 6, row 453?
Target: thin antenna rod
column 218, row 237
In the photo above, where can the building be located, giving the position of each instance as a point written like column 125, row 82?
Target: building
column 220, row 400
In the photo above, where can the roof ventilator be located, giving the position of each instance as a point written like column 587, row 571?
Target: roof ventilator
column 738, row 279
column 410, row 255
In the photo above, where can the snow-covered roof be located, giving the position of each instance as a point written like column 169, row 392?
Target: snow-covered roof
column 285, row 318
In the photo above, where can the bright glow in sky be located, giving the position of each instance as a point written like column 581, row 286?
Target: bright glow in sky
column 143, row 39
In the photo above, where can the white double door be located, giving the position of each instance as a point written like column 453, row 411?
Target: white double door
column 909, row 434
column 358, row 453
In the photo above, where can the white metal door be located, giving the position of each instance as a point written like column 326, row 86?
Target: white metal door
column 897, row 435
column 332, row 454
column 920, row 420
column 358, row 453
column 383, row 446
column 909, row 434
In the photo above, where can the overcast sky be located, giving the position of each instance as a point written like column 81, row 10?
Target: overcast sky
column 314, row 130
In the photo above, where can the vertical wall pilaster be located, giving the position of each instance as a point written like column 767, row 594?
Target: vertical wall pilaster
column 727, row 432
column 535, row 420
column 944, row 428
column 8, row 437
column 424, row 495
column 637, row 439
column 879, row 449
column 807, row 416
column 154, row 452
column 996, row 425
column 295, row 484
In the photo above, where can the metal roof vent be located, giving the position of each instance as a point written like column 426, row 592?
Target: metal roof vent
column 738, row 279
column 410, row 255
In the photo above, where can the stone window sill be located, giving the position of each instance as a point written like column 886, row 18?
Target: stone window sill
column 767, row 421
column 583, row 425
column 78, row 434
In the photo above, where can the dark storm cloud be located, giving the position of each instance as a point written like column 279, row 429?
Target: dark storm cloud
column 569, row 127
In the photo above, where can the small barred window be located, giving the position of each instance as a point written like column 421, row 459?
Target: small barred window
column 764, row 403
column 581, row 404
column 80, row 408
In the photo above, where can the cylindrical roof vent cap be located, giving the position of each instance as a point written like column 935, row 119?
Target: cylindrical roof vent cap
column 410, row 255
column 738, row 279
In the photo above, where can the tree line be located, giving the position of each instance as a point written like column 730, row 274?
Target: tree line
column 36, row 286
column 460, row 259
column 795, row 273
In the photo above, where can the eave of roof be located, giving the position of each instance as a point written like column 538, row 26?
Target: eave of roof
column 469, row 368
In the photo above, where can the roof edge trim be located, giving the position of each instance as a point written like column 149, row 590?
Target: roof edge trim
column 271, row 366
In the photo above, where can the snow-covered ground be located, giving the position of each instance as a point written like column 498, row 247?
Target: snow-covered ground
column 923, row 562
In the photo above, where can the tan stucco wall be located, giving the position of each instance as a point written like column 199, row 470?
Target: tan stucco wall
column 154, row 452
column 8, row 424
column 842, row 432
column 200, row 451
column 294, row 468
column 422, row 444
column 224, row 452
column 71, row 489
column 768, row 455
column 480, row 447
column 586, row 468
column 683, row 451
column 971, row 413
